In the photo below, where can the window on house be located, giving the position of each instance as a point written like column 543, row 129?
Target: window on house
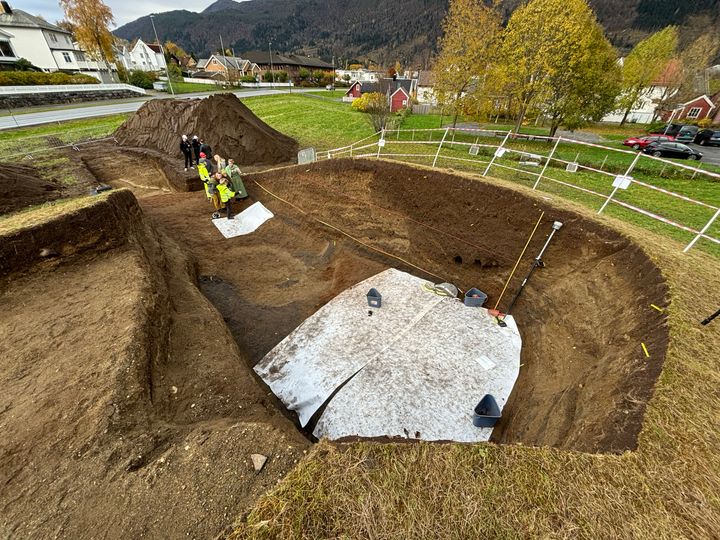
column 67, row 57
column 53, row 37
column 694, row 112
column 6, row 49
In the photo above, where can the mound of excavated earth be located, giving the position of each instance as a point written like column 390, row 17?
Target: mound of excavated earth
column 21, row 186
column 222, row 121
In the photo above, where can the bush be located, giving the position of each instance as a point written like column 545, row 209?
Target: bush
column 31, row 78
column 704, row 123
column 281, row 76
column 175, row 72
column 248, row 79
column 142, row 79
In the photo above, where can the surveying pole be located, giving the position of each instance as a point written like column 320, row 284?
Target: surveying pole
column 536, row 263
column 710, row 318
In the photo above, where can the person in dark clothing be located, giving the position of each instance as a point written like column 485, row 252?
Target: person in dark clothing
column 186, row 149
column 205, row 148
column 195, row 143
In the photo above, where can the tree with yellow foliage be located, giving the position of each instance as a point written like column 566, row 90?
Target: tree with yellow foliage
column 556, row 59
column 645, row 63
column 468, row 51
column 92, row 20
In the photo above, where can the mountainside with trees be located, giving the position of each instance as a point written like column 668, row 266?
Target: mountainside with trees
column 387, row 31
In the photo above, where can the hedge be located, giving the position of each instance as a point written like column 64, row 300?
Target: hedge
column 32, row 78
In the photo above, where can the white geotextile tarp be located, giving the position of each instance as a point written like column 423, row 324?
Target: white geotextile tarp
column 416, row 368
column 245, row 222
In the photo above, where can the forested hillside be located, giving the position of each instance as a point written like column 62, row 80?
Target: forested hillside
column 383, row 31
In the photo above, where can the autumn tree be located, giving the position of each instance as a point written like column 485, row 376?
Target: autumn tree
column 694, row 62
column 174, row 50
column 645, row 63
column 468, row 50
column 92, row 20
column 557, row 59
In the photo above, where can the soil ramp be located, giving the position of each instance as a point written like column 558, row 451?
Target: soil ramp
column 21, row 186
column 222, row 121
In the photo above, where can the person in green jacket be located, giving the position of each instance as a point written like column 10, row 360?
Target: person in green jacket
column 233, row 172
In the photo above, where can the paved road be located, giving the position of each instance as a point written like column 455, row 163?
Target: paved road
column 91, row 110
column 711, row 154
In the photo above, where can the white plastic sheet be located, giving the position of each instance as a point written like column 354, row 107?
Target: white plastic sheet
column 245, row 222
column 416, row 367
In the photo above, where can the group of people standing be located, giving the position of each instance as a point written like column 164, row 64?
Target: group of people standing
column 221, row 178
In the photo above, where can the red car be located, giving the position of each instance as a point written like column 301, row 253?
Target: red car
column 641, row 142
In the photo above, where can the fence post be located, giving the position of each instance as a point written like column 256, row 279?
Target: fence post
column 382, row 138
column 440, row 146
column 492, row 160
column 627, row 173
column 351, row 149
column 547, row 162
column 702, row 231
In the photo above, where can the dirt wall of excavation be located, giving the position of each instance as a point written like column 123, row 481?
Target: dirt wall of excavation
column 585, row 381
column 127, row 409
column 21, row 186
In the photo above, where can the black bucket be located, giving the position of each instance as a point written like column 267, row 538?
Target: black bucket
column 374, row 298
column 487, row 412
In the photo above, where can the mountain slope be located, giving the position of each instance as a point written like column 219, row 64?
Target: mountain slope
column 381, row 30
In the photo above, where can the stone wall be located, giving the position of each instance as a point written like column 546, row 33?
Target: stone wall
column 18, row 101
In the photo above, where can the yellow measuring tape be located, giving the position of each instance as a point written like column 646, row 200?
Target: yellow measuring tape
column 519, row 258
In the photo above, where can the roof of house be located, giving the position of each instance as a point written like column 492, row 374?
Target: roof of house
column 232, row 62
column 426, row 78
column 669, row 74
column 154, row 47
column 698, row 98
column 202, row 62
column 263, row 58
column 22, row 19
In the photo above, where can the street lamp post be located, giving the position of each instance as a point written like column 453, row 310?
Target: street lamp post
column 271, row 65
column 162, row 51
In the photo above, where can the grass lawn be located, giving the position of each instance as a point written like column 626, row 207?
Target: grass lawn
column 313, row 122
column 191, row 88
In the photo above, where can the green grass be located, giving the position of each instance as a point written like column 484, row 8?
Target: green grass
column 335, row 94
column 191, row 88
column 313, row 122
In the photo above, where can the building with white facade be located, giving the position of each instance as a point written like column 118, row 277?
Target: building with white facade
column 45, row 45
column 361, row 75
column 143, row 57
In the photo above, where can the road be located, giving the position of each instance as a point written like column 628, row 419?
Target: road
column 91, row 110
column 711, row 154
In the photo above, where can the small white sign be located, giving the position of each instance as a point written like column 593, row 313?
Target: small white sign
column 381, row 143
column 500, row 152
column 306, row 156
column 571, row 167
column 622, row 182
column 474, row 150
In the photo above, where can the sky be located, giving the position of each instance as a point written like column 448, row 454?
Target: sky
column 123, row 10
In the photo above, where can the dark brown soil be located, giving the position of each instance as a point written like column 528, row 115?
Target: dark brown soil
column 222, row 121
column 127, row 410
column 584, row 381
column 21, row 186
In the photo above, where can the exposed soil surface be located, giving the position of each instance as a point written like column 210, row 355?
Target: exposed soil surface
column 126, row 410
column 221, row 120
column 129, row 410
column 584, row 381
column 22, row 186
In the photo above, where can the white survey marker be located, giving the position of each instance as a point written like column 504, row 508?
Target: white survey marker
column 416, row 367
column 245, row 222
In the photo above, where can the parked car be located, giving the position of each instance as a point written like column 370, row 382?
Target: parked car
column 641, row 142
column 687, row 134
column 672, row 150
column 708, row 137
column 679, row 132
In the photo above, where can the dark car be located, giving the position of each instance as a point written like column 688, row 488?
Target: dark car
column 672, row 150
column 687, row 134
column 708, row 137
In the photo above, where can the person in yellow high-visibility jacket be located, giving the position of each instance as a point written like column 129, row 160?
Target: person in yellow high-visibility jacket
column 226, row 193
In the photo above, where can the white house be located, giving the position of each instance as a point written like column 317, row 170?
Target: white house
column 361, row 75
column 143, row 56
column 425, row 88
column 45, row 45
column 646, row 106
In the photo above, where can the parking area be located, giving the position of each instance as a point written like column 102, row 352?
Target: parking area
column 711, row 154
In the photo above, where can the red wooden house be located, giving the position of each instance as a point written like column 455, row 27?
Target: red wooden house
column 398, row 91
column 696, row 109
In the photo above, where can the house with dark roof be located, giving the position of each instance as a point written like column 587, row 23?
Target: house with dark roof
column 291, row 63
column 45, row 45
column 399, row 92
column 143, row 57
column 225, row 66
